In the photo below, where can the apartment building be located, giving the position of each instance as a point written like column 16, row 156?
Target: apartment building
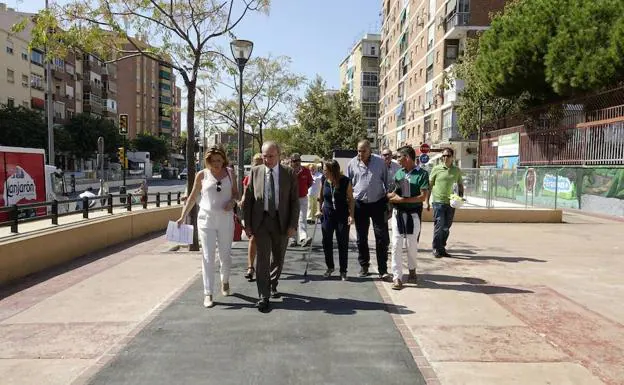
column 359, row 73
column 81, row 82
column 22, row 75
column 148, row 94
column 421, row 40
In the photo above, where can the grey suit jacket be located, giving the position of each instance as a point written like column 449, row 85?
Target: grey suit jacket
column 253, row 199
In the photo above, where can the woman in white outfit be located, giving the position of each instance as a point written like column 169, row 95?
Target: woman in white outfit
column 215, row 222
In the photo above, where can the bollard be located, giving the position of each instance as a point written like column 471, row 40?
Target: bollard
column 157, row 199
column 169, row 198
column 85, row 208
column 179, row 196
column 14, row 214
column 129, row 202
column 110, row 203
column 144, row 201
column 55, row 212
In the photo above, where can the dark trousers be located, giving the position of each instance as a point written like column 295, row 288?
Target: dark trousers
column 329, row 225
column 442, row 221
column 364, row 213
column 271, row 245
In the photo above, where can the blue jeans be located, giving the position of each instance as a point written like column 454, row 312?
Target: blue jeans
column 442, row 221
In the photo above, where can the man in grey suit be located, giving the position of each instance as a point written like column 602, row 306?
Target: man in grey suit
column 270, row 212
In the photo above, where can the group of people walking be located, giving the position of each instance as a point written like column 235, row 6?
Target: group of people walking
column 278, row 201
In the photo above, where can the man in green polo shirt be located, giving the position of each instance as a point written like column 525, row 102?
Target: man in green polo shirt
column 441, row 181
column 411, row 187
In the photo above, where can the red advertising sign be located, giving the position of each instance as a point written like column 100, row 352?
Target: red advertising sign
column 22, row 177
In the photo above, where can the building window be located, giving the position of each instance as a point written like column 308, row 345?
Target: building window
column 369, row 110
column 370, row 79
column 10, row 76
column 9, row 47
column 451, row 52
column 24, row 80
column 10, row 102
column 430, row 37
column 373, row 51
column 26, row 104
column 24, row 55
column 428, row 124
column 36, row 57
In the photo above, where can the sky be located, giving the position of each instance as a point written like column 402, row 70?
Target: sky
column 316, row 34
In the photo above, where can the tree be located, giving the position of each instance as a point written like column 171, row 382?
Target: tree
column 184, row 33
column 178, row 145
column 22, row 127
column 269, row 90
column 552, row 49
column 84, row 130
column 478, row 104
column 157, row 147
column 586, row 51
column 326, row 123
column 283, row 136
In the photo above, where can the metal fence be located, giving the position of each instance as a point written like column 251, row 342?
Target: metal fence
column 19, row 214
column 594, row 189
column 588, row 130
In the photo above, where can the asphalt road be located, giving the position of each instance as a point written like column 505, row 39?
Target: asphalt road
column 319, row 332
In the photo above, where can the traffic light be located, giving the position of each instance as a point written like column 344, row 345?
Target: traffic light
column 123, row 124
column 121, row 155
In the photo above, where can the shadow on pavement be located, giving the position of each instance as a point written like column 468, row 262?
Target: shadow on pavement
column 495, row 258
column 336, row 306
column 466, row 284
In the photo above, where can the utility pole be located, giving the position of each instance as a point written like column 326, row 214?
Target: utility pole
column 50, row 104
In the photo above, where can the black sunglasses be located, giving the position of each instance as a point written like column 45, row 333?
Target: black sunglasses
column 386, row 155
column 219, row 186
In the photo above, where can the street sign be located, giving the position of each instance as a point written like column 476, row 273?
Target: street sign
column 123, row 124
column 424, row 158
column 424, row 148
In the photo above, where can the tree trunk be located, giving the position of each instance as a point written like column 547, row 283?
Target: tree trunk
column 190, row 157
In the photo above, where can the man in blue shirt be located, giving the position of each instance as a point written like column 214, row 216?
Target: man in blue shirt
column 369, row 177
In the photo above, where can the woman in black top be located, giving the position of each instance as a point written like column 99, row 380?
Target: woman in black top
column 336, row 211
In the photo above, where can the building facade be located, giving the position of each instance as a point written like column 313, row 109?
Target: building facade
column 359, row 73
column 147, row 93
column 421, row 40
column 22, row 72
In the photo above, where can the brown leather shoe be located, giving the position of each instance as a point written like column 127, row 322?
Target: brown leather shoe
column 412, row 276
column 250, row 273
column 397, row 284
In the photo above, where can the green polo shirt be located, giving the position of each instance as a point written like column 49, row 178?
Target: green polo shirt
column 410, row 184
column 442, row 178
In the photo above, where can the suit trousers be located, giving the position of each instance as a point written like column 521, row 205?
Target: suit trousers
column 271, row 245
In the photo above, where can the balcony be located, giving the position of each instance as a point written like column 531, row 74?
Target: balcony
column 452, row 93
column 454, row 23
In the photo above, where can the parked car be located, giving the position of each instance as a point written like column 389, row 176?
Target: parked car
column 183, row 174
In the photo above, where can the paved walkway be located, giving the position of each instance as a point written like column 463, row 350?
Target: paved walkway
column 518, row 304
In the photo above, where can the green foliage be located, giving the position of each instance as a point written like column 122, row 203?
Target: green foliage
column 586, row 52
column 269, row 95
column 540, row 51
column 22, row 127
column 552, row 48
column 156, row 146
column 83, row 131
column 326, row 123
column 478, row 105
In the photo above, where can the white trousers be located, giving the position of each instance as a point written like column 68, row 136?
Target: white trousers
column 303, row 218
column 396, row 246
column 212, row 239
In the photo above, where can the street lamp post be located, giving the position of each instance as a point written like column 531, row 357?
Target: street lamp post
column 50, row 105
column 241, row 51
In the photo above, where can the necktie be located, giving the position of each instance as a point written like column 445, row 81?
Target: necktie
column 272, row 208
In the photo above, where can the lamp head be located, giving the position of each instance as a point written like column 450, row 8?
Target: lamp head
column 241, row 51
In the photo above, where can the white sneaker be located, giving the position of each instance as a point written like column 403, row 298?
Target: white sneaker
column 208, row 301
